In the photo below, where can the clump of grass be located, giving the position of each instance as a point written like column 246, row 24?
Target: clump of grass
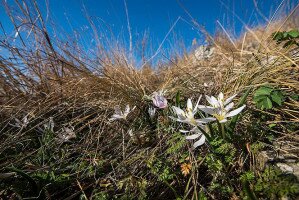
column 57, row 141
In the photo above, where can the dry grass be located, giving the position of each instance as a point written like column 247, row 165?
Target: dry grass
column 43, row 77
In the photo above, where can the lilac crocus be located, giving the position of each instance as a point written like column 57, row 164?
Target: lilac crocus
column 159, row 100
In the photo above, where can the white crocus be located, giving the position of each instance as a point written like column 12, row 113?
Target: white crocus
column 119, row 114
column 220, row 108
column 187, row 116
column 151, row 112
column 219, row 102
column 196, row 134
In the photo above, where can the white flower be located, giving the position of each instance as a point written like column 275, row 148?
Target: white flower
column 130, row 132
column 197, row 134
column 159, row 100
column 219, row 102
column 220, row 108
column 49, row 125
column 188, row 115
column 118, row 114
column 21, row 123
column 151, row 112
column 66, row 134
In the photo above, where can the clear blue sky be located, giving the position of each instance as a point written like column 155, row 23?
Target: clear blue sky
column 154, row 16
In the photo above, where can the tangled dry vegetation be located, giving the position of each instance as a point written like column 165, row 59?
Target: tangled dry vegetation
column 46, row 82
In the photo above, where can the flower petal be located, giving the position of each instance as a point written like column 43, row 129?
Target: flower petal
column 209, row 100
column 207, row 110
column 223, row 121
column 205, row 120
column 117, row 110
column 229, row 107
column 214, row 101
column 180, row 113
column 192, row 137
column 189, row 105
column 127, row 110
column 200, row 142
column 220, row 97
column 228, row 100
column 196, row 106
column 184, row 131
column 177, row 119
column 235, row 112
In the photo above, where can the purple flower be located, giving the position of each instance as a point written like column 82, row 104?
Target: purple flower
column 159, row 100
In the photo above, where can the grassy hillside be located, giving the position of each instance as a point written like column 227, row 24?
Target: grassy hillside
column 58, row 140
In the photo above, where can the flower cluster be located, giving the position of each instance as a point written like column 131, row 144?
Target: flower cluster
column 219, row 109
column 119, row 114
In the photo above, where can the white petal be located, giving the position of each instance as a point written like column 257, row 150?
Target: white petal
column 184, row 131
column 196, row 106
column 176, row 119
column 117, row 110
column 207, row 110
column 235, row 112
column 229, row 106
column 127, row 110
column 205, row 120
column 178, row 111
column 192, row 137
column 209, row 100
column 223, row 121
column 196, row 130
column 200, row 142
column 220, row 96
column 215, row 102
column 189, row 104
column 230, row 99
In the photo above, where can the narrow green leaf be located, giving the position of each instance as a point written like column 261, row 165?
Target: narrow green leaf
column 234, row 120
column 178, row 98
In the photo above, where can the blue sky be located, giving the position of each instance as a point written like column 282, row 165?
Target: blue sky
column 154, row 16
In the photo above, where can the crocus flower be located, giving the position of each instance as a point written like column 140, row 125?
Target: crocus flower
column 66, row 134
column 151, row 112
column 119, row 114
column 196, row 134
column 219, row 102
column 159, row 100
column 220, row 109
column 21, row 123
column 188, row 115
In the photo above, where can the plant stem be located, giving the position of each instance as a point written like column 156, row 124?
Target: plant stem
column 223, row 131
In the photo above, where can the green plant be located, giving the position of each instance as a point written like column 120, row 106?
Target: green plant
column 267, row 97
column 289, row 37
column 274, row 184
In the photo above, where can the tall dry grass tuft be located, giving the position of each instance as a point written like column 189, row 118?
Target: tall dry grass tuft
column 43, row 78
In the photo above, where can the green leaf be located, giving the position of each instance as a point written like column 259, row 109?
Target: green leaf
column 285, row 35
column 242, row 101
column 277, row 36
column 293, row 33
column 271, row 125
column 277, row 97
column 267, row 103
column 294, row 97
column 263, row 91
column 260, row 98
column 178, row 98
